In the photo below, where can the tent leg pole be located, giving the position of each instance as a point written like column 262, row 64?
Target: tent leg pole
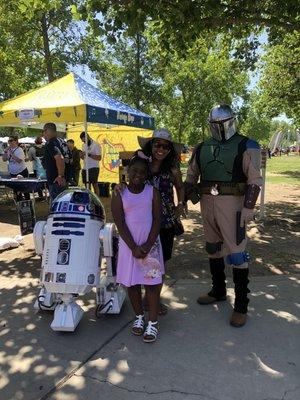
column 86, row 154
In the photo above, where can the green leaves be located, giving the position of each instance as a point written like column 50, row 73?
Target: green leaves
column 177, row 90
column 280, row 80
column 39, row 42
column 181, row 22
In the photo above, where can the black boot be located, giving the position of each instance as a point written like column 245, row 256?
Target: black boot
column 218, row 291
column 240, row 279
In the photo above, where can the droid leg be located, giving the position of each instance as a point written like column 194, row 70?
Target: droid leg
column 45, row 300
column 67, row 314
column 110, row 295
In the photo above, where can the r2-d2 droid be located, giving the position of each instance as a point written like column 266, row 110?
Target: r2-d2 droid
column 72, row 244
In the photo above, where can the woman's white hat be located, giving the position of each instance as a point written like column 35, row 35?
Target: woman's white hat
column 160, row 134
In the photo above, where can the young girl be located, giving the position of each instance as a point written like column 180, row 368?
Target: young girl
column 164, row 174
column 137, row 214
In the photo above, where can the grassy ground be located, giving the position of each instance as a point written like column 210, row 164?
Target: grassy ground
column 284, row 170
column 280, row 170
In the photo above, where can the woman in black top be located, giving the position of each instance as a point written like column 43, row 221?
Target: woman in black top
column 165, row 174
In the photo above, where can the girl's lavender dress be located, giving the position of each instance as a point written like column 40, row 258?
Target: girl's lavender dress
column 138, row 216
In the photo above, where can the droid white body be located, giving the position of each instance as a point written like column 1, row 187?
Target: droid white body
column 71, row 243
column 109, row 294
column 71, row 256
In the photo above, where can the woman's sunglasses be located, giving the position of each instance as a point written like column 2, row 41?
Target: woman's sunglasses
column 161, row 146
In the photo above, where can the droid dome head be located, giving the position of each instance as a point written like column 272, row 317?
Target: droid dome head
column 222, row 122
column 79, row 202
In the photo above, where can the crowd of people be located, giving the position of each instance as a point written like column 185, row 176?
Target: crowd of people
column 228, row 166
column 223, row 175
column 57, row 160
column 61, row 161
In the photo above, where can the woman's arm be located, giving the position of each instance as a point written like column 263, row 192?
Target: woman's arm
column 17, row 159
column 119, row 218
column 156, row 222
column 179, row 186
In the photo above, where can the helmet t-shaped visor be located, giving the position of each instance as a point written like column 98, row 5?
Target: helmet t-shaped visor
column 222, row 122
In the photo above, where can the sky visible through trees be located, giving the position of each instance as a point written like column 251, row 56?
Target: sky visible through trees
column 172, row 60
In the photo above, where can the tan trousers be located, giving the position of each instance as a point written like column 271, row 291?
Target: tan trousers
column 219, row 223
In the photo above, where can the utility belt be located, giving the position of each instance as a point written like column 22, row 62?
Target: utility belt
column 222, row 188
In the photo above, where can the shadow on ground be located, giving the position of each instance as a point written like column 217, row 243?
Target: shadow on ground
column 103, row 357
column 34, row 359
column 288, row 174
column 272, row 245
column 32, row 356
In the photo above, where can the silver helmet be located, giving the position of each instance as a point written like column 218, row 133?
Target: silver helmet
column 222, row 122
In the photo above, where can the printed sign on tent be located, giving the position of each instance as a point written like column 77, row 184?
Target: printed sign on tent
column 26, row 114
column 110, row 155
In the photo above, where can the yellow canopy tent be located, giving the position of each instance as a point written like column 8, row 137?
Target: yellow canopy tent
column 74, row 105
column 113, row 140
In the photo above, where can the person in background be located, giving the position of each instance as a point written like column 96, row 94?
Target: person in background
column 53, row 161
column 16, row 164
column 75, row 166
column 36, row 154
column 92, row 163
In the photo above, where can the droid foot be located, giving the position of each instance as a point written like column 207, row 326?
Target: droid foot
column 67, row 317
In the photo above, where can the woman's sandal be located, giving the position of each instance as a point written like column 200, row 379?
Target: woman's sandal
column 138, row 325
column 150, row 334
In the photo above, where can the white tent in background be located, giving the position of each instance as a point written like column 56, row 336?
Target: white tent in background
column 29, row 140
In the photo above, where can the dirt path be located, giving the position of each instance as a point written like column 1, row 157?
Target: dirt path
column 273, row 244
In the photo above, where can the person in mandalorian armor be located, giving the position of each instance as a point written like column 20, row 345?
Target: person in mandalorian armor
column 224, row 174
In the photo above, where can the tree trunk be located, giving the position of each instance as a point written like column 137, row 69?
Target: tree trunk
column 137, row 91
column 47, row 53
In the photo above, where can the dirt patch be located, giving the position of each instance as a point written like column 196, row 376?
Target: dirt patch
column 273, row 244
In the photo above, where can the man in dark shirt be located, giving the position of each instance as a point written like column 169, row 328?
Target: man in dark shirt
column 53, row 161
column 75, row 162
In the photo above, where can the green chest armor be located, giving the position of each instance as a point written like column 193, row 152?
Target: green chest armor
column 222, row 161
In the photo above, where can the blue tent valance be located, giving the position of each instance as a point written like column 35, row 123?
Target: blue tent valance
column 103, row 109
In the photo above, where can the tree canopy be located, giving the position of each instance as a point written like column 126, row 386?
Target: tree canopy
column 179, row 22
column 39, row 40
column 280, row 81
column 172, row 59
